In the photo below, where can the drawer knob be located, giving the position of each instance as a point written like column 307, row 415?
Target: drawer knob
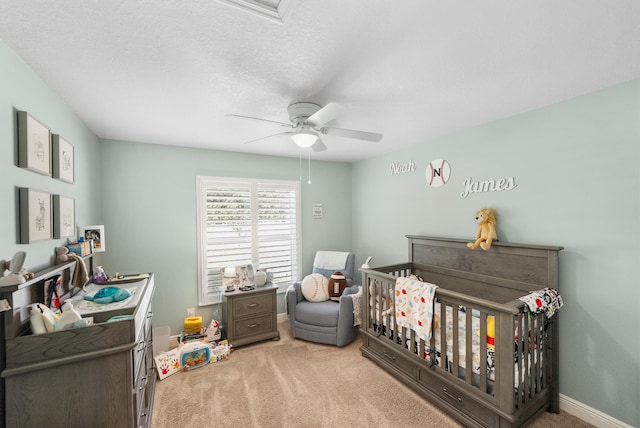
column 253, row 305
column 253, row 325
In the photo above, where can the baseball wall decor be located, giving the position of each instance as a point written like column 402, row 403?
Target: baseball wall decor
column 438, row 172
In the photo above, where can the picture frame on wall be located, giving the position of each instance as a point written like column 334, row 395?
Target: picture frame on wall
column 64, row 217
column 34, row 144
column 96, row 234
column 35, row 215
column 62, row 161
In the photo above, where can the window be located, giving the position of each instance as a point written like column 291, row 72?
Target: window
column 246, row 221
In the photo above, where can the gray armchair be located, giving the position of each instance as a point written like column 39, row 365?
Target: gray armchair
column 329, row 322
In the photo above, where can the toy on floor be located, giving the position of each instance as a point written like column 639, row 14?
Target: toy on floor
column 189, row 356
column 486, row 219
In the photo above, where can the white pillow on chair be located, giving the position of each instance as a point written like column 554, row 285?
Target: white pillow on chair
column 314, row 288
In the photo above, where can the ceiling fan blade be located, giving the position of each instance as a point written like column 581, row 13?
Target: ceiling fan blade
column 268, row 136
column 288, row 125
column 325, row 114
column 351, row 133
column 319, row 146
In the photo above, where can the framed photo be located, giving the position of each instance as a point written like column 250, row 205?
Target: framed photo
column 96, row 234
column 64, row 217
column 34, row 144
column 61, row 159
column 35, row 215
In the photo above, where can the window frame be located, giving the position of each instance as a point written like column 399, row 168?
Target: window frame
column 207, row 296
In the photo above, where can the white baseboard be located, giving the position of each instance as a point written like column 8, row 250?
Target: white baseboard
column 589, row 414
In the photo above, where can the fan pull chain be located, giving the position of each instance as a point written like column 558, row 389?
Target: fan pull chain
column 309, row 157
column 300, row 163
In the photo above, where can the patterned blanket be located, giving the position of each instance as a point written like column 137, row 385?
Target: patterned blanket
column 414, row 305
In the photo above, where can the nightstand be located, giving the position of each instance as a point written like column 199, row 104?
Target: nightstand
column 250, row 316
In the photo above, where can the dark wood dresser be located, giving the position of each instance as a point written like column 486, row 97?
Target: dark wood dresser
column 100, row 375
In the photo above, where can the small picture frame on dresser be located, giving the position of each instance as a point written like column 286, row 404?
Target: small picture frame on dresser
column 96, row 234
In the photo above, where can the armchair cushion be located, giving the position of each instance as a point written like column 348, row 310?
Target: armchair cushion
column 323, row 314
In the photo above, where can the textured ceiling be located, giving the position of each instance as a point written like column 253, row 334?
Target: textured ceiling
column 167, row 72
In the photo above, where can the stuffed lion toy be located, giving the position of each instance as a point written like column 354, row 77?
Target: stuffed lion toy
column 486, row 219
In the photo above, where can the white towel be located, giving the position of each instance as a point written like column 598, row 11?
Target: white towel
column 331, row 260
column 357, row 303
column 414, row 306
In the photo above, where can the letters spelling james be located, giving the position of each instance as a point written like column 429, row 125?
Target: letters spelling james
column 471, row 186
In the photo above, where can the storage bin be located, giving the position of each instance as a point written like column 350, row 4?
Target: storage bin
column 161, row 337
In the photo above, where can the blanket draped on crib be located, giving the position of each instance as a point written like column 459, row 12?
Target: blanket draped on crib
column 357, row 306
column 414, row 305
column 547, row 301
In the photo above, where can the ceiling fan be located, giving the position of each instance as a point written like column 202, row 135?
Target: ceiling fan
column 308, row 122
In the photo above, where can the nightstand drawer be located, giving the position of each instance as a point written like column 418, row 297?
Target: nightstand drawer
column 254, row 325
column 253, row 304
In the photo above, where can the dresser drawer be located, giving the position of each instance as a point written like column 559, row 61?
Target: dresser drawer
column 457, row 398
column 392, row 358
column 251, row 305
column 254, row 325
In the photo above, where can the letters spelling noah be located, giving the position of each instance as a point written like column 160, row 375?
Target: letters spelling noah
column 402, row 168
column 471, row 186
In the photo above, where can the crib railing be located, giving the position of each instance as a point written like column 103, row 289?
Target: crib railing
column 510, row 367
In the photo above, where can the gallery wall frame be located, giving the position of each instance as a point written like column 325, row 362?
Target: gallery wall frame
column 62, row 159
column 35, row 215
column 34, row 144
column 95, row 233
column 64, row 216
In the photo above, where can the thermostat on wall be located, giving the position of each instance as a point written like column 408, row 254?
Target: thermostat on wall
column 317, row 210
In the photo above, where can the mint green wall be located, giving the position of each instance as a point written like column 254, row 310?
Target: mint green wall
column 576, row 166
column 149, row 207
column 21, row 89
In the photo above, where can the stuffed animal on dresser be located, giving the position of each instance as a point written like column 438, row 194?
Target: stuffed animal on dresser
column 486, row 219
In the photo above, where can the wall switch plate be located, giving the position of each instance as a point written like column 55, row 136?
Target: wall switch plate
column 191, row 312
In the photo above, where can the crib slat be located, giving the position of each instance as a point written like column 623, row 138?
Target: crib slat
column 504, row 367
column 538, row 352
column 529, row 388
column 432, row 342
column 520, row 354
column 443, row 336
column 390, row 315
column 456, row 341
column 483, row 351
column 468, row 344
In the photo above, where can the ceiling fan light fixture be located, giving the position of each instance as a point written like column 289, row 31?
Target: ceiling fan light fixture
column 304, row 138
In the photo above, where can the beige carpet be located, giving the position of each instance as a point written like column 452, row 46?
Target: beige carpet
column 292, row 383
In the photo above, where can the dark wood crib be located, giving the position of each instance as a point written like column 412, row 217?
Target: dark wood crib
column 478, row 289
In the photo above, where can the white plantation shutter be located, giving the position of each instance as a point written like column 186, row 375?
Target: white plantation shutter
column 244, row 221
